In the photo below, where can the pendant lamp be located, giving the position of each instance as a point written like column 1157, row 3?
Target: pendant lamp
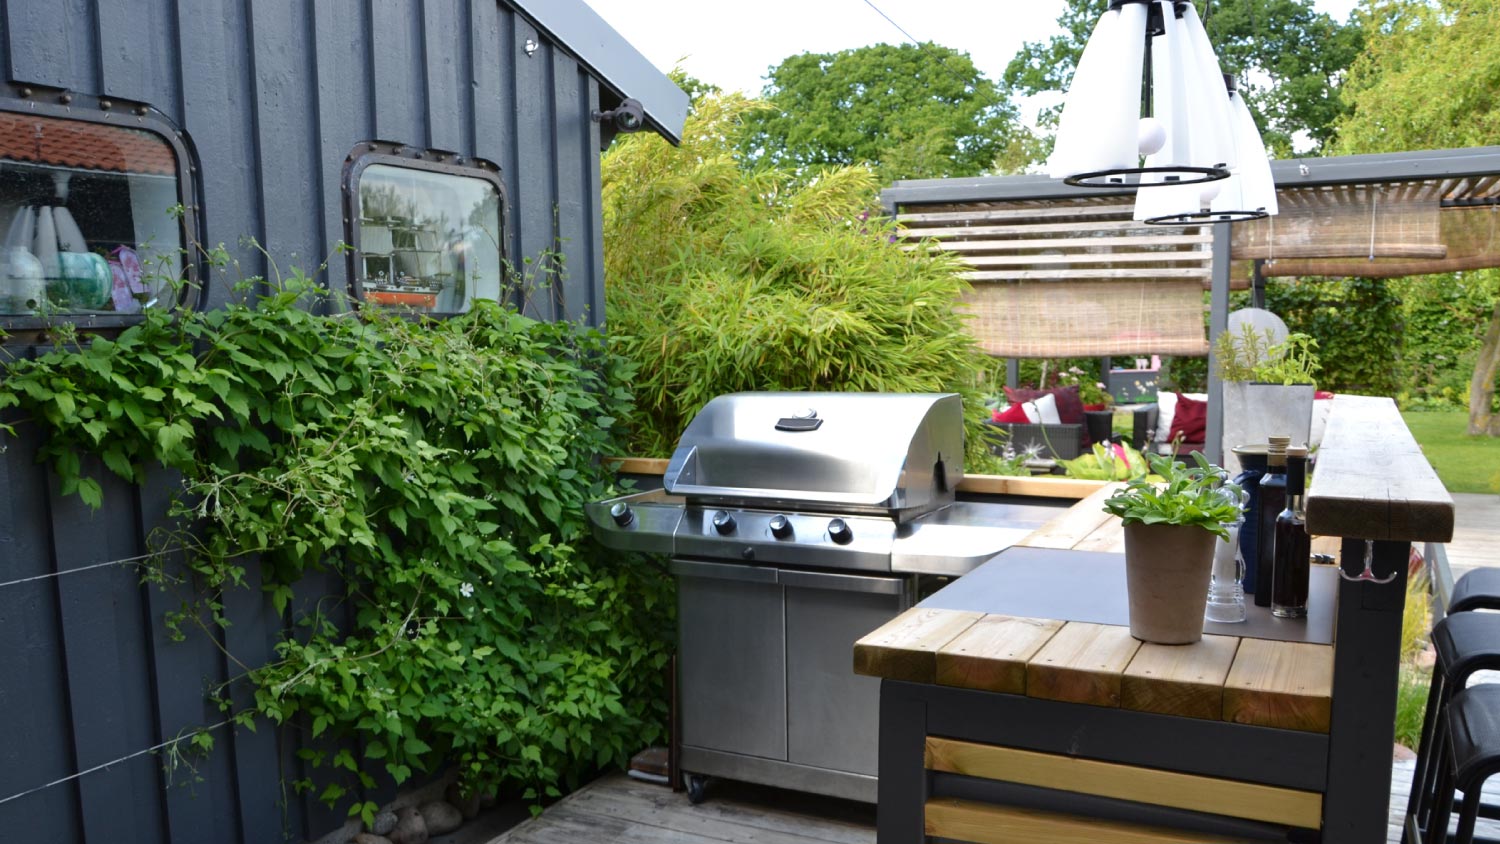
column 1248, row 194
column 1188, row 134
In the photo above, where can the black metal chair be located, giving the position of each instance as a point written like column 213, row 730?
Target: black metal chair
column 1465, row 642
column 1473, row 756
column 1477, row 590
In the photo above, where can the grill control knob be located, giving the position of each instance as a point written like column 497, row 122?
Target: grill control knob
column 838, row 531
column 781, row 527
column 724, row 523
column 621, row 513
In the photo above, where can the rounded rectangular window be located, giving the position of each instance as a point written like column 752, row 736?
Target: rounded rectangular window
column 426, row 240
column 90, row 216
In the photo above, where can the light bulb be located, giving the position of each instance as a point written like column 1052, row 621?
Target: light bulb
column 1207, row 191
column 1150, row 135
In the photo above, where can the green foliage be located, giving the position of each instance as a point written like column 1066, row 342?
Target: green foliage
column 1428, row 77
column 1357, row 323
column 439, row 470
column 1250, row 355
column 723, row 279
column 1287, row 56
column 1444, row 318
column 909, row 111
column 1105, row 464
column 1411, row 691
column 1184, row 496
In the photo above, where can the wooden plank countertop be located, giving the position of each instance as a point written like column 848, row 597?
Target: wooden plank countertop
column 1263, row 682
column 1371, row 480
column 1035, row 487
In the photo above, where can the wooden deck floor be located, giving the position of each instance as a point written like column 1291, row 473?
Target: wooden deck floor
column 616, row 808
column 1476, row 532
column 619, row 810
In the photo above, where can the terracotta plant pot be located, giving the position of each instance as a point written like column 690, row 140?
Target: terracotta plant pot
column 1166, row 575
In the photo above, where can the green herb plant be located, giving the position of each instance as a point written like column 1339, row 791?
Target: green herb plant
column 1251, row 355
column 1185, row 495
column 437, row 471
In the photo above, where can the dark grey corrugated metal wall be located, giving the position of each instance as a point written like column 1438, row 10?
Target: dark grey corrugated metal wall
column 273, row 94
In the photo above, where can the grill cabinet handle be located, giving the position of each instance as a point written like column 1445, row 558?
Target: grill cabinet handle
column 843, row 582
column 723, row 571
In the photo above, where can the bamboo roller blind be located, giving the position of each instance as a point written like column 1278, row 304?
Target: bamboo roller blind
column 1073, row 278
column 1383, row 230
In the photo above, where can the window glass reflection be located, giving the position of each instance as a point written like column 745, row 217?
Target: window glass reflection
column 427, row 241
column 86, row 214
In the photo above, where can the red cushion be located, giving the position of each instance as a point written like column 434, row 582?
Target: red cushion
column 1190, row 421
column 1014, row 413
column 1069, row 405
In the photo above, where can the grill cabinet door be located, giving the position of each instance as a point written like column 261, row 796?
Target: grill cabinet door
column 834, row 714
column 731, row 658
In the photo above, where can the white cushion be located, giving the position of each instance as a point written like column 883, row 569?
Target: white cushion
column 1032, row 414
column 1166, row 411
column 1046, row 408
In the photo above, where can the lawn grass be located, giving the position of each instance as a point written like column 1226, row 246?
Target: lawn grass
column 1465, row 463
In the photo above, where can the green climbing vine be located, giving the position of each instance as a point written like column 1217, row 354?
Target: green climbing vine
column 439, row 469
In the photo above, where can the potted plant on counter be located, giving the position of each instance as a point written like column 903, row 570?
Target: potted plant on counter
column 1170, row 530
column 1268, row 388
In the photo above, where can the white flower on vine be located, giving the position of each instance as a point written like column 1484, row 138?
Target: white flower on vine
column 466, row 590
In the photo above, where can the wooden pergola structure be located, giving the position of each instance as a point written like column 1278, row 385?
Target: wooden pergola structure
column 1063, row 271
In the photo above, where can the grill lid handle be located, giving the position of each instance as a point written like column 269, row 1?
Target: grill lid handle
column 796, row 424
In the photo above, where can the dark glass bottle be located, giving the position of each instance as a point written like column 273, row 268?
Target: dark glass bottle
column 1272, row 501
column 1290, row 573
column 1252, row 468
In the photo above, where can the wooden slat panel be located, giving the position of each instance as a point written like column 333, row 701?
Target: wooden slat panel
column 1039, row 212
column 1108, row 538
column 1044, row 487
column 1073, row 524
column 1373, row 481
column 979, row 823
column 905, row 648
column 992, row 655
column 39, row 741
column 1063, row 243
column 445, row 74
column 1210, row 795
column 1070, row 275
column 1185, row 680
column 1031, row 229
column 1083, row 663
column 979, row 484
column 1073, row 258
column 1280, row 684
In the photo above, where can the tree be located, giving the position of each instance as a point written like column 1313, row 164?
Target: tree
column 1287, row 57
column 910, row 111
column 1430, row 79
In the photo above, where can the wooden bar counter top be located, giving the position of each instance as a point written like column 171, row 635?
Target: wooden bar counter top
column 1016, row 707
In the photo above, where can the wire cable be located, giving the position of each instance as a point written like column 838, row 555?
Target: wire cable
column 103, row 765
column 49, row 575
column 898, row 26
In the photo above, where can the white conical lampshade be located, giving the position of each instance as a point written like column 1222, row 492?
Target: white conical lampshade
column 1097, row 129
column 1166, row 201
column 1169, row 102
column 1250, row 189
column 1212, row 133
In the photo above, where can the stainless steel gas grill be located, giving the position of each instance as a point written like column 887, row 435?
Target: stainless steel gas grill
column 798, row 522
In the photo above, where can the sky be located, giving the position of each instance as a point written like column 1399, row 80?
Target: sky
column 733, row 45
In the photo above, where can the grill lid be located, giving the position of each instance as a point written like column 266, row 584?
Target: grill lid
column 899, row 452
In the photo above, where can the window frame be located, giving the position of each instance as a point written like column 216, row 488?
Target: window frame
column 66, row 105
column 370, row 153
